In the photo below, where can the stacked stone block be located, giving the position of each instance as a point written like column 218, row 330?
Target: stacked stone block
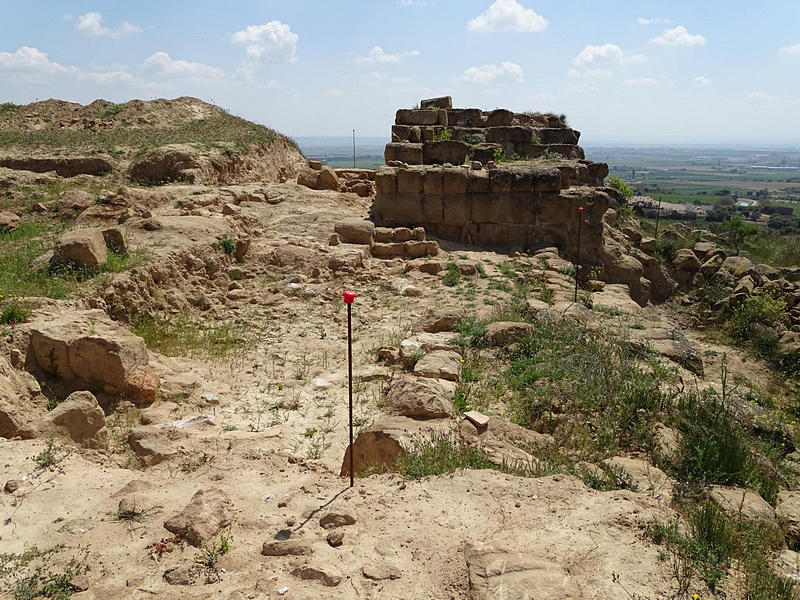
column 437, row 133
column 522, row 207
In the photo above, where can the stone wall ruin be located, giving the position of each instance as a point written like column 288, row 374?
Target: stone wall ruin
column 529, row 203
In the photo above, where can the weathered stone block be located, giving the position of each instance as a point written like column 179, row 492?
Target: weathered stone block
column 397, row 210
column 597, row 173
column 558, row 136
column 432, row 209
column 449, row 151
column 409, row 153
column 386, row 181
column 521, row 180
column 465, row 117
column 500, row 118
column 500, row 181
column 389, row 250
column 514, row 134
column 457, row 209
column 383, row 234
column 455, row 181
column 416, row 249
column 485, row 152
column 441, row 102
column 410, row 181
column 503, row 235
column 406, row 133
column 401, row 234
column 529, row 149
column 420, row 117
column 433, row 182
column 567, row 151
column 478, row 182
column 547, row 180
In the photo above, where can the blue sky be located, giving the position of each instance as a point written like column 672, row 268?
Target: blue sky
column 660, row 72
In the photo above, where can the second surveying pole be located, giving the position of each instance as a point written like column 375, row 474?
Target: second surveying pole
column 349, row 298
column 578, row 256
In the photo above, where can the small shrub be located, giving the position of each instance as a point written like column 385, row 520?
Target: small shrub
column 209, row 554
column 453, row 277
column 51, row 456
column 14, row 311
column 228, row 245
column 667, row 249
column 713, row 446
column 755, row 318
column 438, row 455
column 181, row 336
column 442, row 135
column 497, row 155
column 109, row 111
column 470, row 332
column 623, row 188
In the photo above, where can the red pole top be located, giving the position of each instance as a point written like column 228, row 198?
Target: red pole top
column 580, row 209
column 349, row 297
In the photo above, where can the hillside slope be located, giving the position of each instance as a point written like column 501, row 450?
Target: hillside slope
column 155, row 141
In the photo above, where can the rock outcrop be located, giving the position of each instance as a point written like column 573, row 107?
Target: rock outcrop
column 85, row 350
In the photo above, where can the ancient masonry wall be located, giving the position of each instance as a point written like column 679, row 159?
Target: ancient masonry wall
column 527, row 204
column 437, row 133
column 523, row 207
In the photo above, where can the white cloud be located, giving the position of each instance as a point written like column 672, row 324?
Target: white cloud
column 508, row 15
column 648, row 82
column 505, row 72
column 273, row 42
column 333, row 93
column 759, row 95
column 105, row 77
column 590, row 73
column 34, row 66
column 791, row 49
column 29, row 59
column 701, row 81
column 377, row 55
column 605, row 55
column 679, row 36
column 583, row 89
column 653, row 21
column 162, row 64
column 91, row 24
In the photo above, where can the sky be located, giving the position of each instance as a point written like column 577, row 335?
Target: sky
column 679, row 71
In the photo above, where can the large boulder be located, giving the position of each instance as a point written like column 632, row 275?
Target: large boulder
column 153, row 445
column 744, row 503
column 86, row 350
column 420, row 398
column 686, row 260
column 386, row 440
column 500, row 333
column 495, row 571
column 323, row 179
column 9, row 221
column 646, row 478
column 440, row 364
column 82, row 247
column 355, row 231
column 207, row 514
column 672, row 344
column 788, row 511
column 166, row 164
column 15, row 409
column 737, row 267
column 78, row 418
column 503, row 443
